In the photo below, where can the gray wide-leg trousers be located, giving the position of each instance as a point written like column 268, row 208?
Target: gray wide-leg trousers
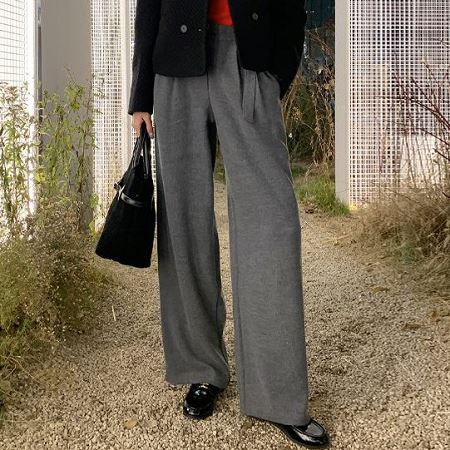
column 242, row 109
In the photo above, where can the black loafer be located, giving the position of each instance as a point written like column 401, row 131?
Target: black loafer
column 311, row 435
column 200, row 400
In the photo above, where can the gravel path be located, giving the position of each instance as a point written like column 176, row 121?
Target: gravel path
column 378, row 365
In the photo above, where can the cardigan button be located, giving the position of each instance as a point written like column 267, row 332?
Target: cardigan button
column 255, row 16
column 183, row 28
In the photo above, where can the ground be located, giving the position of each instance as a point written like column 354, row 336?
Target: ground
column 377, row 349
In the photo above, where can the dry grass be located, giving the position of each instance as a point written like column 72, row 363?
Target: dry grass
column 309, row 105
column 49, row 284
column 411, row 218
column 413, row 225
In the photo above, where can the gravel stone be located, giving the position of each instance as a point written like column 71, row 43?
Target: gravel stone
column 377, row 349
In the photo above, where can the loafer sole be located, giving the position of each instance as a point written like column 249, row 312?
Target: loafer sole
column 300, row 443
column 198, row 416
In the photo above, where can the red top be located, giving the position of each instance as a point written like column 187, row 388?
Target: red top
column 219, row 12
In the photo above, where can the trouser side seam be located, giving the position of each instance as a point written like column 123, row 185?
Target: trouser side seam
column 236, row 299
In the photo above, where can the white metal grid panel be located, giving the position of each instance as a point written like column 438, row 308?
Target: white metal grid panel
column 112, row 45
column 106, row 67
column 391, row 40
column 17, row 43
column 13, row 63
column 18, row 61
column 132, row 14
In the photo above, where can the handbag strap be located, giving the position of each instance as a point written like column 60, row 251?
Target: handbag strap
column 125, row 198
column 142, row 145
column 146, row 155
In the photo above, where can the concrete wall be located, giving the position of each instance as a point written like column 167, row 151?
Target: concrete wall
column 64, row 49
column 65, row 42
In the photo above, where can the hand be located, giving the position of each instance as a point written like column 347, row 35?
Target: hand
column 138, row 118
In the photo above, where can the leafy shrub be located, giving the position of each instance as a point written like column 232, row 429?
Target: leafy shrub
column 309, row 105
column 50, row 278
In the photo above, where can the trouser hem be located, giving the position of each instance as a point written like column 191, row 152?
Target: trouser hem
column 284, row 419
column 220, row 383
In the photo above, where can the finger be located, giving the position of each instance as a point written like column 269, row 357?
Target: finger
column 149, row 125
column 137, row 121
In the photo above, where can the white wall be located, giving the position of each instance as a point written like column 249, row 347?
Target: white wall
column 66, row 46
column 66, row 42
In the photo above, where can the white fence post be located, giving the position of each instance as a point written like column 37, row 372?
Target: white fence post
column 378, row 44
column 342, row 68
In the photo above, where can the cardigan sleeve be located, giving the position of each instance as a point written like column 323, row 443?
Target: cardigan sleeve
column 289, row 18
column 146, row 24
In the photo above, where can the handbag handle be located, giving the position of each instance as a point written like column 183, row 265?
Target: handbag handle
column 142, row 145
column 146, row 155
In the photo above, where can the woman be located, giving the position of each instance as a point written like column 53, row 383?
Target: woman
column 218, row 70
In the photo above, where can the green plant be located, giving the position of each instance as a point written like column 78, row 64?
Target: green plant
column 49, row 277
column 17, row 153
column 49, row 283
column 309, row 106
column 309, row 116
column 68, row 142
column 318, row 192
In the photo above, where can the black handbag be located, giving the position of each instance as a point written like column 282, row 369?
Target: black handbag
column 129, row 228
